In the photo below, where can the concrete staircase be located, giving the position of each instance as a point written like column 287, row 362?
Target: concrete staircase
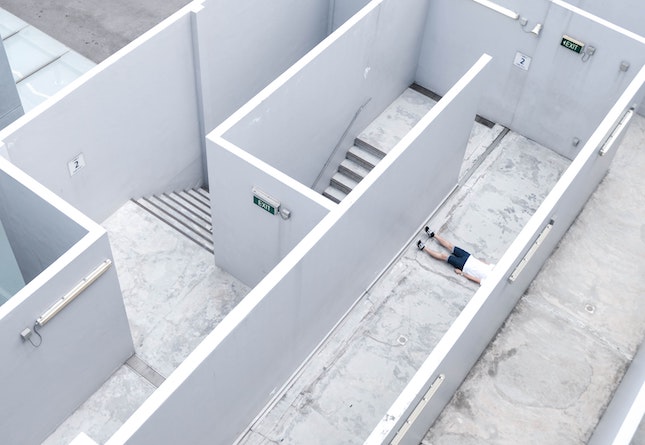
column 377, row 140
column 187, row 211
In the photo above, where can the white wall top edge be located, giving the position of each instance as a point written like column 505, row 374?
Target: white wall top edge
column 601, row 21
column 50, row 197
column 51, row 271
column 419, row 128
column 431, row 364
column 294, row 69
column 231, row 321
column 193, row 7
column 274, row 172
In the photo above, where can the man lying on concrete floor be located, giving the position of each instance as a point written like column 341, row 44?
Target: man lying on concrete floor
column 464, row 263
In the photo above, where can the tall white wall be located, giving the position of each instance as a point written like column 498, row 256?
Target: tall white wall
column 296, row 124
column 243, row 363
column 245, row 44
column 251, row 241
column 134, row 118
column 468, row 336
column 342, row 10
column 560, row 97
column 11, row 280
column 37, row 231
column 78, row 349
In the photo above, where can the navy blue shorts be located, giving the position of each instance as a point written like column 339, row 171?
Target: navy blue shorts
column 458, row 258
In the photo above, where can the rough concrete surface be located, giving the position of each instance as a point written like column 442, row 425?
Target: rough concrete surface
column 93, row 28
column 342, row 392
column 552, row 369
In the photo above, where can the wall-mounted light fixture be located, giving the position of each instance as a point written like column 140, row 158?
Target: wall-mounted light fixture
column 72, row 294
column 536, row 29
column 497, row 8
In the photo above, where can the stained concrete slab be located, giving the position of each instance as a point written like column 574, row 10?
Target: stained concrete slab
column 103, row 413
column 342, row 392
column 173, row 292
column 174, row 296
column 94, row 28
column 553, row 367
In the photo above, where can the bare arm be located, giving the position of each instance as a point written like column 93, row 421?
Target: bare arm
column 470, row 277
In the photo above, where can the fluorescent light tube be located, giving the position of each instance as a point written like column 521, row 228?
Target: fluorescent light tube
column 497, row 8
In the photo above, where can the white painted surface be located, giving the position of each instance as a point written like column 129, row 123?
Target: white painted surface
column 250, row 241
column 37, row 231
column 85, row 342
column 244, row 45
column 368, row 61
column 83, row 439
column 469, row 335
column 294, row 125
column 11, row 280
column 138, row 136
column 560, row 97
column 304, row 296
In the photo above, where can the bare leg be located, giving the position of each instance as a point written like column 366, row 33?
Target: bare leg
column 445, row 243
column 437, row 255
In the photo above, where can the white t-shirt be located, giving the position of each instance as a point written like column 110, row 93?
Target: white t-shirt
column 478, row 269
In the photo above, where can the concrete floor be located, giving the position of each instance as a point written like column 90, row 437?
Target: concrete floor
column 174, row 296
column 553, row 367
column 342, row 393
column 94, row 28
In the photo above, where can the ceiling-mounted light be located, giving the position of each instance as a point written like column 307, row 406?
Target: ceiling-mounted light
column 497, row 8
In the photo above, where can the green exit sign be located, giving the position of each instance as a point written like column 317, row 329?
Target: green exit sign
column 572, row 44
column 264, row 205
column 265, row 202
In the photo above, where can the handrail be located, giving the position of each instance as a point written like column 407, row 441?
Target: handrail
column 340, row 141
column 72, row 294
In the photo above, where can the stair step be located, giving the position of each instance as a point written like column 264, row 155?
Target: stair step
column 353, row 169
column 343, row 182
column 204, row 194
column 334, row 194
column 179, row 218
column 376, row 151
column 184, row 213
column 204, row 199
column 196, row 206
column 188, row 212
column 363, row 157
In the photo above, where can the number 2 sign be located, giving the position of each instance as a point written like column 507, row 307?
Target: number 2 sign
column 522, row 61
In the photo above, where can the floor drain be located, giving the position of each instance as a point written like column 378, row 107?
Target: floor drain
column 402, row 340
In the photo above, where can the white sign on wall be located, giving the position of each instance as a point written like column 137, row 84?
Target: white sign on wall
column 522, row 61
column 76, row 164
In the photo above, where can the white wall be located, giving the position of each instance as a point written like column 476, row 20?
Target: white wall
column 134, row 118
column 245, row 44
column 468, row 336
column 342, row 10
column 81, row 346
column 243, row 363
column 626, row 410
column 37, row 231
column 560, row 97
column 250, row 241
column 11, row 280
column 296, row 125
